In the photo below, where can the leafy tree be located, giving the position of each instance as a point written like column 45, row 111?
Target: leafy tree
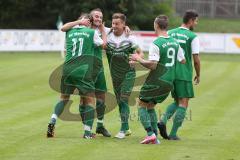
column 42, row 14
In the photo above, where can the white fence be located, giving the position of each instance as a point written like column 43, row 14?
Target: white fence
column 209, row 8
column 52, row 40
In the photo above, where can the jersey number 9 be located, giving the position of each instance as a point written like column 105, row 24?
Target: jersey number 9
column 170, row 55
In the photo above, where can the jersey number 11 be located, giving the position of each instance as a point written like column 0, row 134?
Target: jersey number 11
column 77, row 43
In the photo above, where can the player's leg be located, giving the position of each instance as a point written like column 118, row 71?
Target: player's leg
column 146, row 121
column 184, row 91
column 58, row 109
column 88, row 114
column 124, row 114
column 124, row 92
column 100, row 109
column 81, row 110
column 171, row 109
column 101, row 88
column 179, row 118
column 153, row 118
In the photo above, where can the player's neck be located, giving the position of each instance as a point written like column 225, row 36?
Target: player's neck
column 162, row 33
column 118, row 33
column 185, row 26
column 94, row 27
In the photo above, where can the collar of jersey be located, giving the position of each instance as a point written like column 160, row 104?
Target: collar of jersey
column 82, row 26
column 164, row 37
column 184, row 28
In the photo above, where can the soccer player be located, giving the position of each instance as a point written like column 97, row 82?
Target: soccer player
column 100, row 82
column 119, row 46
column 77, row 74
column 183, row 87
column 163, row 54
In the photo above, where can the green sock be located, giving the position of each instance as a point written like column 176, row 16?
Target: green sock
column 171, row 109
column 81, row 111
column 124, row 114
column 58, row 111
column 178, row 120
column 145, row 120
column 100, row 109
column 153, row 119
column 88, row 119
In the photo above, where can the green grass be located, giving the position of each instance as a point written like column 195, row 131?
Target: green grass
column 26, row 103
column 209, row 25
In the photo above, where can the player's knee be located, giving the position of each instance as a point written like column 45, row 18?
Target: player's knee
column 183, row 102
column 89, row 101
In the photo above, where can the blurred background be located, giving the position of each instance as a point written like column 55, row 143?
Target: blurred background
column 30, row 25
column 42, row 14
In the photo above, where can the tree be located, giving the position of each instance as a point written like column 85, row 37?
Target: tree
column 42, row 14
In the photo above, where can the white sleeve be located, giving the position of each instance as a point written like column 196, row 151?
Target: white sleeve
column 180, row 54
column 154, row 53
column 133, row 41
column 195, row 45
column 97, row 40
column 107, row 30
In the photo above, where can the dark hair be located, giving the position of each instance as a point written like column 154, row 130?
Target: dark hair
column 189, row 14
column 86, row 16
column 119, row 16
column 162, row 21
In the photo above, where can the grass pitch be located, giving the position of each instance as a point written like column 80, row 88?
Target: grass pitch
column 26, row 103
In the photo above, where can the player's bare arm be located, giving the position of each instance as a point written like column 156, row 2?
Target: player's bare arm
column 127, row 30
column 196, row 61
column 69, row 25
column 146, row 63
column 104, row 35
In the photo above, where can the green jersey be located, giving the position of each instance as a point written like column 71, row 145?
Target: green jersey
column 166, row 51
column 118, row 50
column 187, row 40
column 80, row 60
column 79, row 41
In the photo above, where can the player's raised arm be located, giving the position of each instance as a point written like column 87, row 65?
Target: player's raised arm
column 127, row 30
column 104, row 35
column 70, row 25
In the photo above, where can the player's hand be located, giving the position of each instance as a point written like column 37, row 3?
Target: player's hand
column 127, row 30
column 102, row 27
column 196, row 80
column 132, row 63
column 135, row 57
column 85, row 22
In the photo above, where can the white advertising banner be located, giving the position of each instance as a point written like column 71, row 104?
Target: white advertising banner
column 209, row 42
column 31, row 40
column 53, row 40
column 232, row 43
column 212, row 43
